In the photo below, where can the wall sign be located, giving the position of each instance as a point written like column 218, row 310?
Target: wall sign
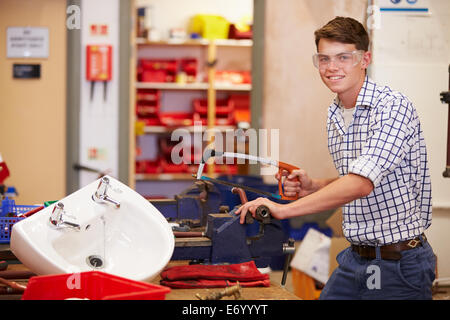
column 405, row 6
column 27, row 42
column 26, row 71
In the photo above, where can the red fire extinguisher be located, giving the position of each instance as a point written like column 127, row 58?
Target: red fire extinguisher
column 99, row 66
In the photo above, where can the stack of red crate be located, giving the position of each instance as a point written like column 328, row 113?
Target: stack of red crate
column 224, row 111
column 166, row 146
column 189, row 67
column 148, row 105
column 148, row 166
column 241, row 107
column 157, row 70
column 176, row 119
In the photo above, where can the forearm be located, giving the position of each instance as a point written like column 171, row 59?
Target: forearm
column 333, row 193
column 320, row 183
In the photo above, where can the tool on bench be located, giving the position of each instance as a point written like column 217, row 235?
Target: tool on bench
column 192, row 206
column 236, row 185
column 225, row 239
column 209, row 153
column 234, row 291
column 220, row 238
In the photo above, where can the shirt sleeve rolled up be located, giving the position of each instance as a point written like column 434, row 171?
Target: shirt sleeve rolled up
column 387, row 142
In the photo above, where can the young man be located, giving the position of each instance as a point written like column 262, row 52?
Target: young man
column 377, row 145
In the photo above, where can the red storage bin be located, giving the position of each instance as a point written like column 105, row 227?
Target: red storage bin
column 233, row 77
column 241, row 107
column 93, row 285
column 234, row 33
column 169, row 167
column 176, row 119
column 150, row 96
column 189, row 66
column 157, row 70
column 148, row 106
column 221, row 169
column 148, row 166
column 224, row 111
column 151, row 121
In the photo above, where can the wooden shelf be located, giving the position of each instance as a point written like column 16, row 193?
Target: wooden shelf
column 196, row 42
column 163, row 129
column 192, row 86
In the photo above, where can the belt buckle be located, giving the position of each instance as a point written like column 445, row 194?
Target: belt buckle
column 413, row 243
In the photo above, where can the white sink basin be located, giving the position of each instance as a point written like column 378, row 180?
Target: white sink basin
column 133, row 241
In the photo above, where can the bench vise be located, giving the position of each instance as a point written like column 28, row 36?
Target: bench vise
column 193, row 204
column 222, row 239
column 227, row 241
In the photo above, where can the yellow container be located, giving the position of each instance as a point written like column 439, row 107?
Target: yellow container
column 209, row 26
column 304, row 285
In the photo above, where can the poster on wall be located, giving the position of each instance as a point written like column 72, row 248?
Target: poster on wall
column 27, row 42
column 410, row 7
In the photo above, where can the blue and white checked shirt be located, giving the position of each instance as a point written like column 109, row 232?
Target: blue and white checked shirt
column 384, row 143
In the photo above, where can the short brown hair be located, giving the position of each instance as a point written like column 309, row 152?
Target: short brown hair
column 345, row 30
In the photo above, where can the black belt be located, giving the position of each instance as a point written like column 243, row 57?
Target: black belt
column 390, row 251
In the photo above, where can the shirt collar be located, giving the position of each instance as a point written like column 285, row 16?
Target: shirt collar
column 365, row 99
column 365, row 96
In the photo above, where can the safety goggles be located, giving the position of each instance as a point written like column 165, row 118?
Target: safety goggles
column 340, row 60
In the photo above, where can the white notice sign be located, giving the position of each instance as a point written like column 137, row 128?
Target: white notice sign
column 27, row 42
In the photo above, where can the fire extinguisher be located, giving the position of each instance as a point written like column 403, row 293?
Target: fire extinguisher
column 99, row 66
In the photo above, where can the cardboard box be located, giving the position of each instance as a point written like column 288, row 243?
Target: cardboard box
column 338, row 241
column 335, row 223
column 336, row 246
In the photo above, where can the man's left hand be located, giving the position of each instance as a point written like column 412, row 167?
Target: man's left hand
column 251, row 206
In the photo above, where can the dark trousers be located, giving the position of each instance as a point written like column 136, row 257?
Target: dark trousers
column 357, row 278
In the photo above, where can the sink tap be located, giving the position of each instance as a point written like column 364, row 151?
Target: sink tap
column 57, row 218
column 100, row 195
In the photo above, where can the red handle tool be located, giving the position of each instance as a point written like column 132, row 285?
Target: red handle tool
column 289, row 168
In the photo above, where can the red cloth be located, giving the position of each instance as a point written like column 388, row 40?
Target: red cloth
column 214, row 276
column 246, row 271
column 203, row 283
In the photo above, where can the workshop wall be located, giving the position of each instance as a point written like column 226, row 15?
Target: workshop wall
column 295, row 99
column 412, row 54
column 99, row 109
column 33, row 111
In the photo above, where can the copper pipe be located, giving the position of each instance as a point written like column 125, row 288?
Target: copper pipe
column 241, row 194
column 13, row 285
column 31, row 212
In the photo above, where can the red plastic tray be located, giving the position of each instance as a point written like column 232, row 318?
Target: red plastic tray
column 93, row 285
column 174, row 119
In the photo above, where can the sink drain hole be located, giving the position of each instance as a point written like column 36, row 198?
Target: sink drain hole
column 95, row 261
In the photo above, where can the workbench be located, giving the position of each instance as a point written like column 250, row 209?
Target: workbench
column 274, row 292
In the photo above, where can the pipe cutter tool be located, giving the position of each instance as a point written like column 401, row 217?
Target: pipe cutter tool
column 209, row 153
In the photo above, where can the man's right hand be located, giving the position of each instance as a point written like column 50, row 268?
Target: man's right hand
column 296, row 182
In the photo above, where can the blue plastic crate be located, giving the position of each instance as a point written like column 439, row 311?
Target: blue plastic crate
column 6, row 223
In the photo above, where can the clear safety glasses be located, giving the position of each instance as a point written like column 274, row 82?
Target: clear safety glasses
column 341, row 60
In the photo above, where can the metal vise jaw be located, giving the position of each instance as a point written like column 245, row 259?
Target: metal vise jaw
column 194, row 203
column 230, row 243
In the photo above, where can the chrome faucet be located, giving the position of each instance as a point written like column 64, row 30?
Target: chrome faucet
column 100, row 196
column 57, row 218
